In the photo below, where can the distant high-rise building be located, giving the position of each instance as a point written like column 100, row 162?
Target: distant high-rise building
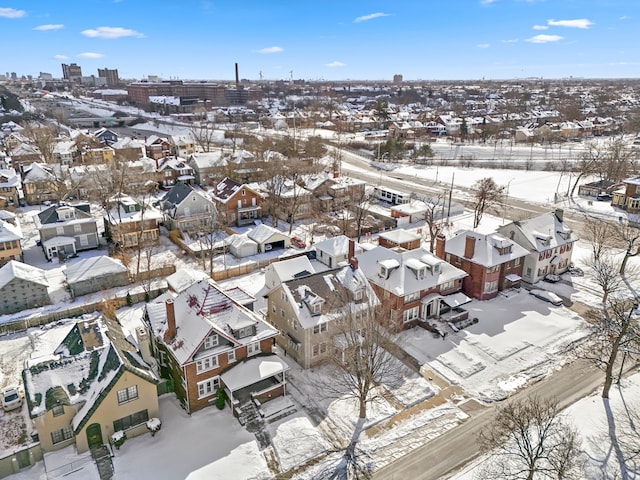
column 71, row 72
column 45, row 76
column 14, row 76
column 397, row 78
column 110, row 74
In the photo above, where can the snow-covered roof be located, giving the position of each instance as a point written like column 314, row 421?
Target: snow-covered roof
column 9, row 232
column 184, row 278
column 489, row 250
column 288, row 269
column 543, row 232
column 264, row 234
column 14, row 269
column 252, row 371
column 401, row 277
column 93, row 267
column 337, row 246
column 399, row 236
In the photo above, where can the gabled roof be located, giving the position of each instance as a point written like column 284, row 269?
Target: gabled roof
column 9, row 232
column 224, row 190
column 184, row 278
column 93, row 267
column 542, row 232
column 201, row 309
column 14, row 269
column 401, row 265
column 263, row 233
column 487, row 248
column 51, row 215
column 38, row 172
column 336, row 246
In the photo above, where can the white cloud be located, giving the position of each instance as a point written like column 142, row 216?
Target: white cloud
column 271, row 50
column 625, row 17
column 335, row 64
column 540, row 27
column 11, row 13
column 510, row 40
column 544, row 38
column 111, row 32
column 371, row 16
column 61, row 57
column 483, row 45
column 49, row 27
column 90, row 55
column 577, row 23
column 487, row 2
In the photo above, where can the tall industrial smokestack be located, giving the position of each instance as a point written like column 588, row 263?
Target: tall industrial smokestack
column 237, row 76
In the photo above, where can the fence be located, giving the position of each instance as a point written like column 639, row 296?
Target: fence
column 19, row 459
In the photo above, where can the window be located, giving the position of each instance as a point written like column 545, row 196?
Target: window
column 231, row 356
column 516, row 262
column 208, row 387
column 84, row 240
column 319, row 349
column 320, row 328
column 317, row 307
column 490, row 286
column 77, row 228
column 129, row 421
column 245, row 332
column 211, row 341
column 244, row 192
column 59, row 230
column 61, row 435
column 127, row 394
column 205, row 364
column 253, row 348
column 412, row 297
column 357, row 295
column 410, row 314
column 58, row 410
column 447, row 285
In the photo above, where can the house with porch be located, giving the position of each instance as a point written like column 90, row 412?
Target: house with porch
column 10, row 242
column 627, row 197
column 128, row 223
column 175, row 170
column 414, row 284
column 237, row 203
column 40, row 184
column 548, row 240
column 188, row 210
column 309, row 311
column 158, row 147
column 67, row 229
column 205, row 340
column 493, row 262
column 87, row 383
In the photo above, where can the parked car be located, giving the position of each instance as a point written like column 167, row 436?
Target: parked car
column 11, row 399
column 298, row 242
column 547, row 296
column 604, row 197
column 552, row 278
column 577, row 271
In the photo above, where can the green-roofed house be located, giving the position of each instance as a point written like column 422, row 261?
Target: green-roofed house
column 93, row 384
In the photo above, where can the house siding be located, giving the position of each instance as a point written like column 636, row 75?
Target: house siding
column 19, row 294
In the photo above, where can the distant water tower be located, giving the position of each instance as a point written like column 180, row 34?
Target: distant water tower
column 397, row 78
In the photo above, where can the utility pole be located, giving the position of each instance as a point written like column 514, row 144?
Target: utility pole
column 450, row 193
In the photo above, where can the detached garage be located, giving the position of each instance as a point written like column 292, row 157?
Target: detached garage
column 269, row 238
column 241, row 246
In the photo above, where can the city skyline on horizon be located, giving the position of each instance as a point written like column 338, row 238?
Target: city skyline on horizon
column 201, row 40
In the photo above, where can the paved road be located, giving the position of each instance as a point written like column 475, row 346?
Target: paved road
column 446, row 454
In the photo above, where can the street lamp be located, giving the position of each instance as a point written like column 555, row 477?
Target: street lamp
column 626, row 351
column 506, row 199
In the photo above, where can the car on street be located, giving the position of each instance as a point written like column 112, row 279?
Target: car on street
column 298, row 242
column 11, row 399
column 547, row 296
column 552, row 278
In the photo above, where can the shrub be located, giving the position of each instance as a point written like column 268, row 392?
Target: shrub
column 221, row 399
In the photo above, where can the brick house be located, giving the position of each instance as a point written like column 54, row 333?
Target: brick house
column 236, row 203
column 493, row 262
column 203, row 339
column 628, row 197
column 548, row 240
column 415, row 284
column 158, row 147
column 175, row 170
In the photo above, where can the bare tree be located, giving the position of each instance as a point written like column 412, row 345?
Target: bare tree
column 612, row 330
column 44, row 137
column 629, row 236
column 486, row 194
column 433, row 218
column 599, row 233
column 528, row 439
column 606, row 274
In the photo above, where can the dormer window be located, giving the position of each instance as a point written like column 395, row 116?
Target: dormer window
column 357, row 295
column 211, row 341
column 316, row 308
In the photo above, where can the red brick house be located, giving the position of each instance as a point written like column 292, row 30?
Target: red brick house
column 493, row 262
column 237, row 203
column 205, row 341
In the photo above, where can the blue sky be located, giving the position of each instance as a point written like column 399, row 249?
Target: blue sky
column 327, row 39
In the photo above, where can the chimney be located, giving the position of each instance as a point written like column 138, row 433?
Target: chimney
column 353, row 261
column 171, row 331
column 440, row 243
column 469, row 247
column 560, row 214
column 237, row 76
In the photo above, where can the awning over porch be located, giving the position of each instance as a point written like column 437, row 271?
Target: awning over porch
column 253, row 371
column 512, row 277
column 429, row 298
column 456, row 299
column 59, row 242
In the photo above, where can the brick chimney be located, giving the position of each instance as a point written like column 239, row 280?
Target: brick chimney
column 171, row 331
column 560, row 214
column 440, row 243
column 469, row 247
column 353, row 261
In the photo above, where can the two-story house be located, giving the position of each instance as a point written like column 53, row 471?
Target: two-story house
column 10, row 242
column 493, row 262
column 309, row 311
column 41, row 184
column 205, row 341
column 548, row 240
column 236, row 203
column 628, row 196
column 175, row 170
column 92, row 384
column 188, row 210
column 208, row 167
column 129, row 223
column 414, row 284
column 11, row 195
column 67, row 229
column 158, row 147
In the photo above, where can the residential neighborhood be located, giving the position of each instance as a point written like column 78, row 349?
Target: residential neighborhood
column 304, row 281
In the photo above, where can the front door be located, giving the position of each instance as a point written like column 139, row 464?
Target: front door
column 94, row 435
